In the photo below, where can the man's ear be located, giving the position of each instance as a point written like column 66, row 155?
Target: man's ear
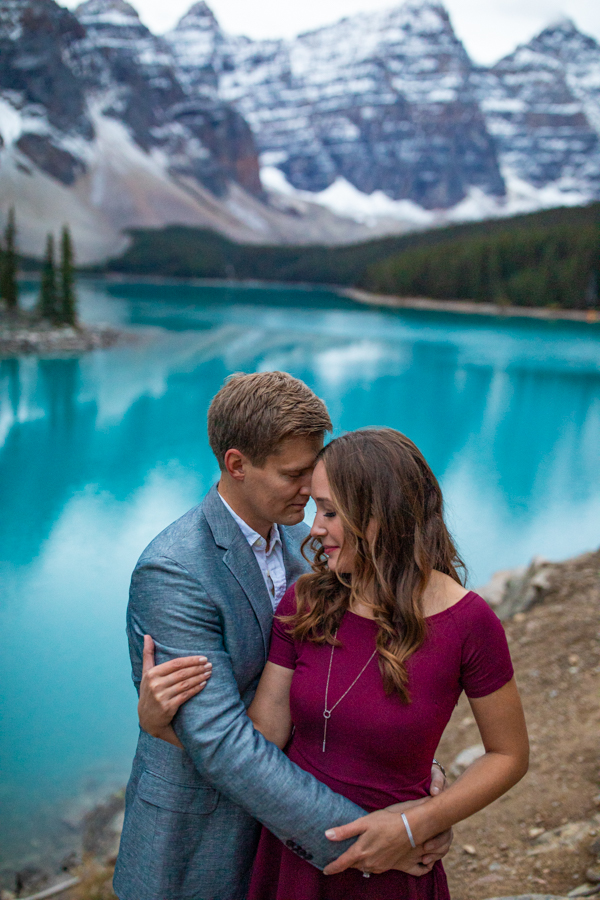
column 235, row 464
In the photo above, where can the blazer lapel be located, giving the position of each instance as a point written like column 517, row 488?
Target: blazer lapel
column 240, row 560
column 294, row 562
column 242, row 564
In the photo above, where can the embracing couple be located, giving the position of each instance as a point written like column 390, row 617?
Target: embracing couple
column 302, row 680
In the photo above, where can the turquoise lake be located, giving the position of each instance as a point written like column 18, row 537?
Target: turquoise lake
column 98, row 454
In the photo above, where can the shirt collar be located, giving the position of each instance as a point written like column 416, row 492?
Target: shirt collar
column 255, row 540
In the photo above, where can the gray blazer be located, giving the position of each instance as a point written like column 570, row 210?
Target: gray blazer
column 190, row 828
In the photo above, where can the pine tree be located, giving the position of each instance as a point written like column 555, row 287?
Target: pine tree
column 48, row 304
column 9, row 290
column 67, row 300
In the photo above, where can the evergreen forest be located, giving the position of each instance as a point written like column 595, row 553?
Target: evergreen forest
column 547, row 259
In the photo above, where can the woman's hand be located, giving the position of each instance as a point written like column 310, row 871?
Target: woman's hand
column 164, row 688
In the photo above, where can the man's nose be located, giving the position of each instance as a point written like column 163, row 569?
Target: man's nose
column 305, row 488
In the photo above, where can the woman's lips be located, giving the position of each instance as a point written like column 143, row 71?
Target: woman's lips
column 330, row 550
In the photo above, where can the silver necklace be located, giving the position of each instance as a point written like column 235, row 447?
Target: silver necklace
column 326, row 711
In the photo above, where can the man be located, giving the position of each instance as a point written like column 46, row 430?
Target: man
column 209, row 584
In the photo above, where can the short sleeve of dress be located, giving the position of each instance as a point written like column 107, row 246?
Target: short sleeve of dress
column 485, row 664
column 283, row 646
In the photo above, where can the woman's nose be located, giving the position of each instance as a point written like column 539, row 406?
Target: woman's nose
column 317, row 529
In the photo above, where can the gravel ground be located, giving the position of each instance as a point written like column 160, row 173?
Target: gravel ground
column 537, row 838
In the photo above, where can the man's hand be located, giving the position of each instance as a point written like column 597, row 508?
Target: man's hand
column 164, row 688
column 383, row 843
column 439, row 782
column 437, row 847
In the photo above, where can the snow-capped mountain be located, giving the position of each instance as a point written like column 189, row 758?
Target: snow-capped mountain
column 542, row 106
column 377, row 123
column 40, row 89
column 201, row 135
column 98, row 129
column 384, row 100
column 384, row 113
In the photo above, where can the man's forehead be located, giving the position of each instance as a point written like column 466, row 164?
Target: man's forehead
column 297, row 452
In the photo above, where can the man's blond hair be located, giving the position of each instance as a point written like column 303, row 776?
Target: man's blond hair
column 254, row 413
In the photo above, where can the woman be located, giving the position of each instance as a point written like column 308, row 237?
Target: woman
column 369, row 655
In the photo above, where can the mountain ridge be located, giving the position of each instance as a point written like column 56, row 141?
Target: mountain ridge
column 375, row 124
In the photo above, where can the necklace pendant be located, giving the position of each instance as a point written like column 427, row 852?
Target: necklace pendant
column 326, row 713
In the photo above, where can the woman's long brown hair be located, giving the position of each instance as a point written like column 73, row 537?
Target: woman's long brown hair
column 390, row 506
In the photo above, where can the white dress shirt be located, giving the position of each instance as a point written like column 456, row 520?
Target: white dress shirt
column 268, row 556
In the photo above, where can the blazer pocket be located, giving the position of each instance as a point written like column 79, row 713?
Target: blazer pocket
column 181, row 798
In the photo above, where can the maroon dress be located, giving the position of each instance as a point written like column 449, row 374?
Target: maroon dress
column 379, row 750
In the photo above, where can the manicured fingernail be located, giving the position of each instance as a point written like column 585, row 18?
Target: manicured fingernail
column 330, row 834
column 435, row 790
column 200, row 659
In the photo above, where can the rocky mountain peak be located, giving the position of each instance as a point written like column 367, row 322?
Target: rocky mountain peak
column 381, row 99
column 49, row 109
column 196, row 42
column 35, row 40
column 559, row 28
column 24, row 18
column 200, row 135
column 542, row 104
column 199, row 16
column 578, row 56
column 565, row 42
column 381, row 115
column 111, row 21
column 114, row 12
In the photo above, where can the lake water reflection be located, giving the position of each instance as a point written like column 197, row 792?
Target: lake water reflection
column 98, row 454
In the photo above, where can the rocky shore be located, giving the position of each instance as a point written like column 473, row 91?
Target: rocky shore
column 541, row 841
column 86, row 873
column 24, row 333
column 469, row 307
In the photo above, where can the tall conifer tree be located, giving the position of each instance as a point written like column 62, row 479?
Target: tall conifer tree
column 67, row 300
column 48, row 304
column 8, row 278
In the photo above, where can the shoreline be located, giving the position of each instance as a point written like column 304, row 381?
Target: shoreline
column 365, row 298
column 95, row 832
column 23, row 334
column 470, row 307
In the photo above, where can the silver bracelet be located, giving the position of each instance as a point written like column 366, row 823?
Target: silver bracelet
column 440, row 767
column 409, row 832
